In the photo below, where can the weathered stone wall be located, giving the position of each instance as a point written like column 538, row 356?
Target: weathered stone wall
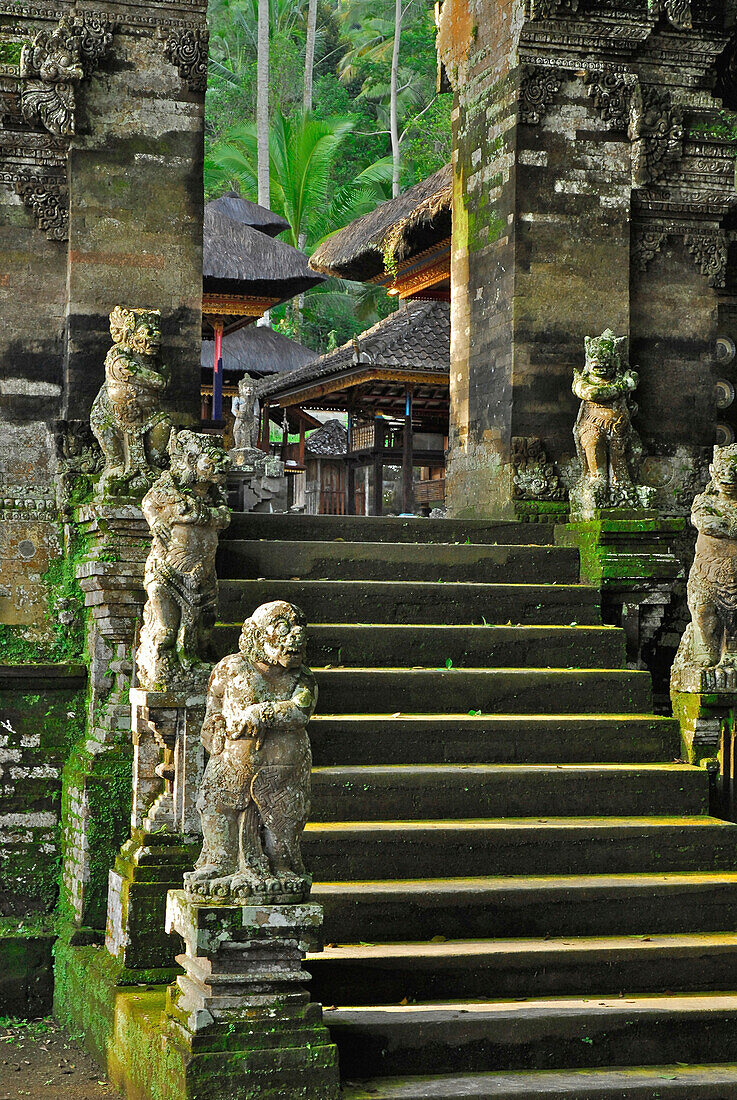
column 594, row 189
column 109, row 213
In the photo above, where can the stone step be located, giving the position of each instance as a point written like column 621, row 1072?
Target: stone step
column 674, row 1082
column 489, row 690
column 518, row 846
column 492, row 739
column 541, row 905
column 537, row 1034
column 397, row 561
column 505, row 790
column 251, row 525
column 372, row 645
column 417, row 602
column 384, row 973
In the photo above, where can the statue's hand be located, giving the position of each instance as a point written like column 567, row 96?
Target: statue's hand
column 162, row 533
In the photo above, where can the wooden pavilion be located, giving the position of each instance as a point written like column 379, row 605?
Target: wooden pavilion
column 393, row 383
column 245, row 272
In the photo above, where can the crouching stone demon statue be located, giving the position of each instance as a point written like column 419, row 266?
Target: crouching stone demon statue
column 707, row 656
column 127, row 419
column 255, row 794
column 607, row 444
column 186, row 509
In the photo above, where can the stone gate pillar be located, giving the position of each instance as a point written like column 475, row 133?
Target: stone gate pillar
column 593, row 185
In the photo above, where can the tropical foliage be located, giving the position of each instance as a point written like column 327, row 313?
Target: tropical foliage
column 335, row 162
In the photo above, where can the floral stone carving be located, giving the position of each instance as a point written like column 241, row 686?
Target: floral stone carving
column 707, row 656
column 245, row 429
column 188, row 50
column 255, row 794
column 534, row 475
column 656, row 132
column 53, row 64
column 186, row 509
column 538, row 88
column 606, row 443
column 127, row 419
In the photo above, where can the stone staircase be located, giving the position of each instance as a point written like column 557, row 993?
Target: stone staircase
column 522, row 889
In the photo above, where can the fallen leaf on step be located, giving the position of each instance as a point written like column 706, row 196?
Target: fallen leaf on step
column 404, row 1001
column 438, row 939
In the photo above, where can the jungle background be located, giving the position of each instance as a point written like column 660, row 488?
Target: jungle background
column 343, row 93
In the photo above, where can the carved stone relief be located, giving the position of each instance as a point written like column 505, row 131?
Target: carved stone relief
column 709, row 250
column 677, row 11
column 47, row 197
column 535, row 477
column 656, row 133
column 538, row 88
column 53, row 64
column 612, row 94
column 646, row 244
column 543, row 9
column 187, row 49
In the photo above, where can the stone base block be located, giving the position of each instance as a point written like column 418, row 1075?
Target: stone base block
column 149, row 865
column 703, row 716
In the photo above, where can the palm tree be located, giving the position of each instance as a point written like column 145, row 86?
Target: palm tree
column 302, row 152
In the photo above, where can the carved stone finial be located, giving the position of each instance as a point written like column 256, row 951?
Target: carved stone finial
column 707, row 656
column 127, row 419
column 255, row 794
column 188, row 50
column 53, row 64
column 186, row 508
column 678, row 12
column 607, row 444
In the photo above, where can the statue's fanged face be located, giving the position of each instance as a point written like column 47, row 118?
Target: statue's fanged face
column 137, row 330
column 275, row 635
column 724, row 469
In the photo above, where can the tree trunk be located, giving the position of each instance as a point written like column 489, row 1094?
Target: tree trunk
column 262, row 103
column 310, row 53
column 393, row 123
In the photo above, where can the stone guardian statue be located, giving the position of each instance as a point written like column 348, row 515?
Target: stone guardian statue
column 245, row 410
column 707, row 656
column 608, row 446
column 255, row 794
column 186, row 510
column 127, row 416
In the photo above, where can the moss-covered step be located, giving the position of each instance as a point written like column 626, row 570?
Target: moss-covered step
column 376, row 973
column 521, row 846
column 528, row 905
column 492, row 739
column 417, row 601
column 505, row 790
column 369, row 644
column 672, row 1082
column 489, row 690
column 397, row 561
column 442, row 1038
column 251, row 525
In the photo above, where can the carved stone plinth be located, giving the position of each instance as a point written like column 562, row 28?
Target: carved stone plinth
column 256, row 482
column 704, row 717
column 165, row 839
column 630, row 554
column 243, row 981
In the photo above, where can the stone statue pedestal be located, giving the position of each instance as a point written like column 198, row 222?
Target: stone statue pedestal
column 256, row 481
column 705, row 718
column 167, row 768
column 240, row 1017
column 630, row 554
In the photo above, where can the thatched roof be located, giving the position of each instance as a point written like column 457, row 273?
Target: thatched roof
column 240, row 260
column 248, row 213
column 329, row 440
column 416, row 337
column 257, row 350
column 401, row 227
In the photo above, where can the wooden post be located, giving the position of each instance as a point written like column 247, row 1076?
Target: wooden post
column 407, row 494
column 301, row 440
column 217, row 374
column 378, row 466
column 265, row 422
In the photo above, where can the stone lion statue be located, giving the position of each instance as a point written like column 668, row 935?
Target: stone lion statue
column 255, row 794
column 186, row 509
column 707, row 656
column 127, row 419
column 606, row 443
